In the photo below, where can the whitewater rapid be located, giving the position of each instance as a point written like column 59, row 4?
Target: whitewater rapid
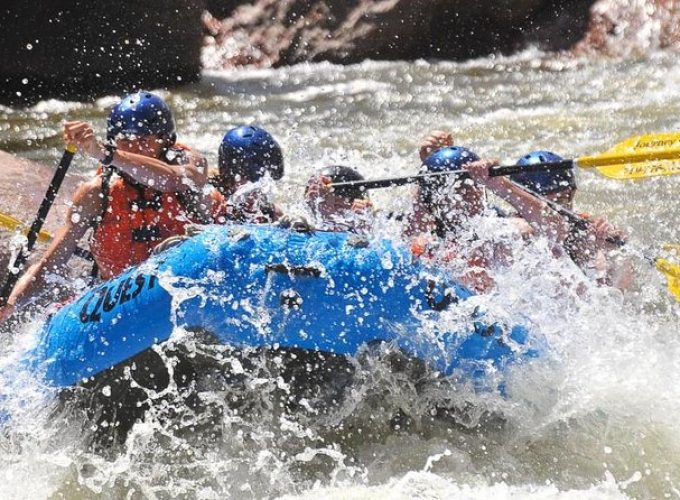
column 596, row 419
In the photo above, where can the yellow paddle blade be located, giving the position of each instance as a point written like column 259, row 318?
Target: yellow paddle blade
column 638, row 157
column 12, row 224
column 672, row 272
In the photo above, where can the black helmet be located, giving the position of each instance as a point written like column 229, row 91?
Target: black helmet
column 341, row 173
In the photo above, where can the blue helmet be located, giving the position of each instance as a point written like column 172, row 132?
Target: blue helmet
column 141, row 114
column 449, row 159
column 544, row 182
column 250, row 152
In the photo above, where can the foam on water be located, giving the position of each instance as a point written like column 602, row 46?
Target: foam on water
column 428, row 485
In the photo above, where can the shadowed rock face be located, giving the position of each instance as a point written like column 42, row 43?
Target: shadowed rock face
column 282, row 32
column 84, row 48
column 223, row 8
column 274, row 33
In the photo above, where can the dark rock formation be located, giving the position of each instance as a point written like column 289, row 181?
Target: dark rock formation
column 83, row 48
column 273, row 32
column 281, row 32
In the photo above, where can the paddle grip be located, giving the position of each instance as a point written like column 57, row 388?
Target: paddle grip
column 501, row 170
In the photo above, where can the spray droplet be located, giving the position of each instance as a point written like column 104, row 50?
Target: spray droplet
column 29, row 46
column 386, row 261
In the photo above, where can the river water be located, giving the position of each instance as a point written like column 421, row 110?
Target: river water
column 600, row 420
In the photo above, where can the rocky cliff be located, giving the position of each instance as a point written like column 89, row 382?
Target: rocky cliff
column 83, row 48
column 282, row 32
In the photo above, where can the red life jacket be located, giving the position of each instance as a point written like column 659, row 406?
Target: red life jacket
column 136, row 219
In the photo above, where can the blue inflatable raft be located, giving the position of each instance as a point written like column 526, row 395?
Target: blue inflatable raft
column 262, row 286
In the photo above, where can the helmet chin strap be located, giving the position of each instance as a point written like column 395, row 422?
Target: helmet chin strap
column 170, row 140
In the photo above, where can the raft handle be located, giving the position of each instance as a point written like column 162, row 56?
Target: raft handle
column 306, row 271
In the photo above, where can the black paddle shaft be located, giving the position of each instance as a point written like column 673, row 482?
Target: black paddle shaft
column 577, row 220
column 395, row 181
column 527, row 169
column 32, row 236
column 496, row 171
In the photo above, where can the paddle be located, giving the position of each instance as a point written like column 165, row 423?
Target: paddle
column 12, row 224
column 670, row 270
column 637, row 157
column 496, row 171
column 34, row 231
column 9, row 222
column 672, row 273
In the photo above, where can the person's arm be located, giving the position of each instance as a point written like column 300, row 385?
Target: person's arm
column 532, row 209
column 87, row 205
column 615, row 269
column 163, row 177
column 148, row 171
column 607, row 236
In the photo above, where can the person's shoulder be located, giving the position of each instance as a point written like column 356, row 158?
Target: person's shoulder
column 89, row 193
column 89, row 187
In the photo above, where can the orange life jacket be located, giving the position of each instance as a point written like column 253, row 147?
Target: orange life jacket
column 136, row 219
